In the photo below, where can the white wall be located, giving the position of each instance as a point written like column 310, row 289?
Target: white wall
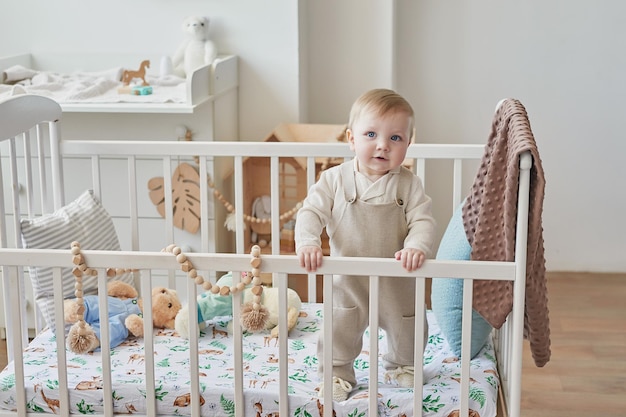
column 564, row 60
column 306, row 60
column 264, row 34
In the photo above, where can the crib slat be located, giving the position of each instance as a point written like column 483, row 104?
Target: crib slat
column 283, row 351
column 132, row 200
column 275, row 204
column 105, row 343
column 373, row 348
column 466, row 337
column 146, row 288
column 327, row 399
column 238, row 348
column 11, row 275
column 64, row 394
column 420, row 312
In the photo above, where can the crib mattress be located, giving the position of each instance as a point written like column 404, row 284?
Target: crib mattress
column 440, row 391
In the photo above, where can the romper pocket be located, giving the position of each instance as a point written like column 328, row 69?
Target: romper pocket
column 347, row 333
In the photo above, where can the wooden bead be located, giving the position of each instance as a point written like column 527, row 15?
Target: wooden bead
column 256, row 281
column 78, row 259
column 207, row 285
column 255, row 251
column 255, row 262
column 181, row 257
column 234, row 290
column 78, row 294
column 119, row 271
column 256, row 306
column 215, row 289
column 199, row 280
column 82, row 267
column 241, row 286
column 177, row 251
column 186, row 266
column 192, row 273
column 256, row 272
column 224, row 291
column 110, row 272
column 77, row 272
column 257, row 290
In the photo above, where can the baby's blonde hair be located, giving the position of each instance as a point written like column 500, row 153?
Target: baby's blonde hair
column 381, row 101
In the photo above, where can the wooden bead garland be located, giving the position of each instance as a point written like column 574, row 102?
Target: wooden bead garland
column 251, row 219
column 254, row 315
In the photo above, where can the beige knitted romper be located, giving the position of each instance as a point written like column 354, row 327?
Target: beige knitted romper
column 376, row 230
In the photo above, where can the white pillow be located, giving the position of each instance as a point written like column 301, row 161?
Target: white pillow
column 84, row 220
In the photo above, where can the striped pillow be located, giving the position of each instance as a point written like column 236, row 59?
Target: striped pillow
column 84, row 220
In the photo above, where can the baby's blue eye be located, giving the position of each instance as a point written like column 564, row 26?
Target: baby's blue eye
column 396, row 138
column 371, row 134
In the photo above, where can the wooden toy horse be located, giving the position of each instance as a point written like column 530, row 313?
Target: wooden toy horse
column 128, row 76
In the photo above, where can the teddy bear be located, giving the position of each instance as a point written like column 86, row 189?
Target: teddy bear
column 197, row 49
column 212, row 306
column 125, row 315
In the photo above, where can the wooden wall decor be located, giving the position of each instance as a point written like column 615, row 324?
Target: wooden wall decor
column 186, row 197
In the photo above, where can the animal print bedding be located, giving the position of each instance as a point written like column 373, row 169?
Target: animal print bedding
column 440, row 392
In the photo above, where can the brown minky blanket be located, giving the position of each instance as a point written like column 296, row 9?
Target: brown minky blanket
column 489, row 218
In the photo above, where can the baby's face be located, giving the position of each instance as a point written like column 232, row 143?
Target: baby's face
column 380, row 142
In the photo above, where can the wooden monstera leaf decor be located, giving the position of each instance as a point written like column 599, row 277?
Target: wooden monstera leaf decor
column 185, row 197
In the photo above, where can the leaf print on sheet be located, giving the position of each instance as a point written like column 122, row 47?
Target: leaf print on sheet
column 85, row 408
column 219, row 345
column 301, row 377
column 310, row 360
column 7, row 383
column 478, row 395
column 310, row 328
column 297, row 345
column 429, row 403
column 361, row 364
column 227, row 405
column 31, row 405
column 159, row 392
column 165, row 363
column 356, row 413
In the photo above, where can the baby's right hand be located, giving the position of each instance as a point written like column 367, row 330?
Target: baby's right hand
column 310, row 257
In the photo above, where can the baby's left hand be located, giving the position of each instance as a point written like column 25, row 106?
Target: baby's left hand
column 411, row 258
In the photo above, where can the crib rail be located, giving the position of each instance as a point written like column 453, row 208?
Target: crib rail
column 281, row 265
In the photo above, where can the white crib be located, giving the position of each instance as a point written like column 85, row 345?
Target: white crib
column 39, row 156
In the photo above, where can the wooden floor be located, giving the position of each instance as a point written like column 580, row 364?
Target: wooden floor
column 586, row 375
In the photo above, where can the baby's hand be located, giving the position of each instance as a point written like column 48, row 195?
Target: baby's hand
column 411, row 258
column 310, row 257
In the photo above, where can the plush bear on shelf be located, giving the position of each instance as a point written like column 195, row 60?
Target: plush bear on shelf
column 212, row 306
column 125, row 316
column 197, row 49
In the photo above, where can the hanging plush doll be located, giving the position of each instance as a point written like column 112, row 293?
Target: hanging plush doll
column 212, row 306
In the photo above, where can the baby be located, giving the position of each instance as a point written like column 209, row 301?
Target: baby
column 371, row 206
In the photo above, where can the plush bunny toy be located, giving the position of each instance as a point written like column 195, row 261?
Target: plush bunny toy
column 211, row 306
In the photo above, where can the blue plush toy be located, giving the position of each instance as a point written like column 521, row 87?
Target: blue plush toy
column 211, row 306
column 125, row 315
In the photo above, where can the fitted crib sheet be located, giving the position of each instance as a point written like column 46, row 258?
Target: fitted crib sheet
column 440, row 391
